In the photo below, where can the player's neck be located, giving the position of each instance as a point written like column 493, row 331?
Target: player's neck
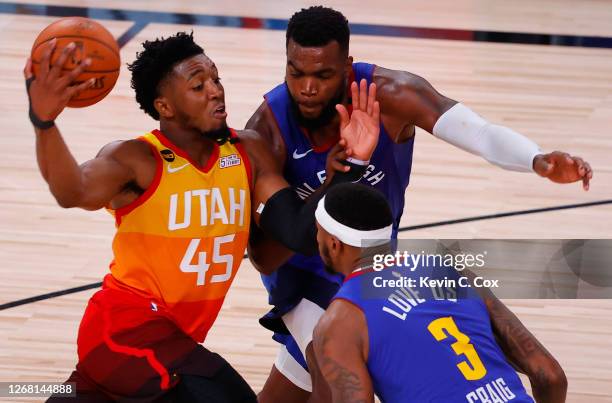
column 366, row 258
column 193, row 142
column 323, row 136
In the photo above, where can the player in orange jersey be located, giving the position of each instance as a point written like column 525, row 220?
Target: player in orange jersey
column 182, row 197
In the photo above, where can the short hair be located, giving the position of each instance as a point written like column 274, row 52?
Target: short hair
column 358, row 206
column 318, row 26
column 154, row 64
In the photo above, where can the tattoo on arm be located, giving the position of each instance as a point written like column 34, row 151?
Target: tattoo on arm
column 343, row 382
column 516, row 341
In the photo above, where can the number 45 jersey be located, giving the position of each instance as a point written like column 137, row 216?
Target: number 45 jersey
column 181, row 242
column 430, row 343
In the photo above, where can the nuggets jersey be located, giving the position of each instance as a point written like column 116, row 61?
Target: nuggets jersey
column 389, row 172
column 181, row 242
column 430, row 344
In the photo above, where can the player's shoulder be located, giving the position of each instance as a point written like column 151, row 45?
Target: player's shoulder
column 255, row 145
column 127, row 152
column 342, row 315
column 264, row 122
column 389, row 81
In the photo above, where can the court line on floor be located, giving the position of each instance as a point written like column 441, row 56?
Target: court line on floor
column 402, row 229
column 279, row 24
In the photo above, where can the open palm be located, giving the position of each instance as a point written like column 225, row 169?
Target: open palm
column 359, row 131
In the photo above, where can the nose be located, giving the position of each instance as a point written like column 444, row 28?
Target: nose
column 215, row 90
column 309, row 88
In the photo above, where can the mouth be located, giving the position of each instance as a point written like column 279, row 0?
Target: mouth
column 309, row 108
column 220, row 112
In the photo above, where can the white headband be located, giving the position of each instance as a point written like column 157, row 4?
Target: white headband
column 348, row 235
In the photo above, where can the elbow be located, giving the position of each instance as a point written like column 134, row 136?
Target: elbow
column 551, row 380
column 257, row 260
column 66, row 199
column 65, row 202
column 557, row 378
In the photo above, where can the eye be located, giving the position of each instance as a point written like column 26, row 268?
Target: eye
column 218, row 80
column 198, row 87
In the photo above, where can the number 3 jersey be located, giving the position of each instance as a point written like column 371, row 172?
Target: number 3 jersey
column 181, row 242
column 430, row 342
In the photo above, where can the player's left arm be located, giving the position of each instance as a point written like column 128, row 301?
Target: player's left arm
column 340, row 347
column 414, row 101
column 522, row 348
column 277, row 209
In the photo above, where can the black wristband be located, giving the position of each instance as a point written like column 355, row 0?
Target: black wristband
column 39, row 124
column 352, row 176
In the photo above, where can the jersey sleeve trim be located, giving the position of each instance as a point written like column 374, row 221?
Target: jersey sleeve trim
column 125, row 210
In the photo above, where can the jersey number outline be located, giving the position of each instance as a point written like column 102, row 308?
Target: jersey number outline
column 473, row 369
column 201, row 267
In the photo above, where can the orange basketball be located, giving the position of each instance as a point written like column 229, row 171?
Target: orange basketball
column 92, row 41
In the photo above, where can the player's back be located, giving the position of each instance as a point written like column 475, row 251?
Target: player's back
column 430, row 344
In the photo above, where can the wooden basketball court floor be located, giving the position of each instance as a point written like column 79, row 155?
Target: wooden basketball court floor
column 560, row 96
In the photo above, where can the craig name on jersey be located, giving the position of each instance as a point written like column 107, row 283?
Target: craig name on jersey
column 305, row 190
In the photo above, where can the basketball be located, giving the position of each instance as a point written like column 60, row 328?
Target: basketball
column 92, row 41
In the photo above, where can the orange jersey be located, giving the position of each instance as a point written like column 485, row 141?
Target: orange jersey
column 181, row 242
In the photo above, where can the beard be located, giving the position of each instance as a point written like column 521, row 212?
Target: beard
column 219, row 135
column 327, row 113
column 327, row 261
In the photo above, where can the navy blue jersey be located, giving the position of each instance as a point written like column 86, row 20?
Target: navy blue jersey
column 389, row 172
column 430, row 344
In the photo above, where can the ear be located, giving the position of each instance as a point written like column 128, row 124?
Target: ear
column 348, row 65
column 163, row 107
column 335, row 247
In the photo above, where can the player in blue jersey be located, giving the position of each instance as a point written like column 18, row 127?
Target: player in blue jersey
column 300, row 122
column 409, row 342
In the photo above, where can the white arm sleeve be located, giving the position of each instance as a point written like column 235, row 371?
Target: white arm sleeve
column 499, row 145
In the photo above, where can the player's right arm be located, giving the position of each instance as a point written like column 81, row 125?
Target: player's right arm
column 340, row 343
column 525, row 352
column 95, row 183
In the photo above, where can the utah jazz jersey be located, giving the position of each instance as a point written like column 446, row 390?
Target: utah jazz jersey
column 389, row 172
column 430, row 344
column 181, row 242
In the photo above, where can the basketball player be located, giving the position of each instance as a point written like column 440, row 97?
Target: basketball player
column 300, row 122
column 409, row 344
column 181, row 197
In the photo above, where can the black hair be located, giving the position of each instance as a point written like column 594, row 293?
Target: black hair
column 358, row 206
column 318, row 26
column 154, row 63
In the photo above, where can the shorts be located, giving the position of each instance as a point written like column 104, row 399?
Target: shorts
column 299, row 297
column 131, row 350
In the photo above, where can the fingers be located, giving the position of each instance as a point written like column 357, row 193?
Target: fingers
column 585, row 171
column 74, row 73
column 376, row 112
column 75, row 89
column 56, row 70
column 371, row 98
column 46, row 57
column 27, row 70
column 355, row 95
column 344, row 115
column 363, row 95
column 337, row 164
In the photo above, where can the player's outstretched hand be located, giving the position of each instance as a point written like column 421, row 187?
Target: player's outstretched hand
column 561, row 167
column 360, row 130
column 51, row 90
